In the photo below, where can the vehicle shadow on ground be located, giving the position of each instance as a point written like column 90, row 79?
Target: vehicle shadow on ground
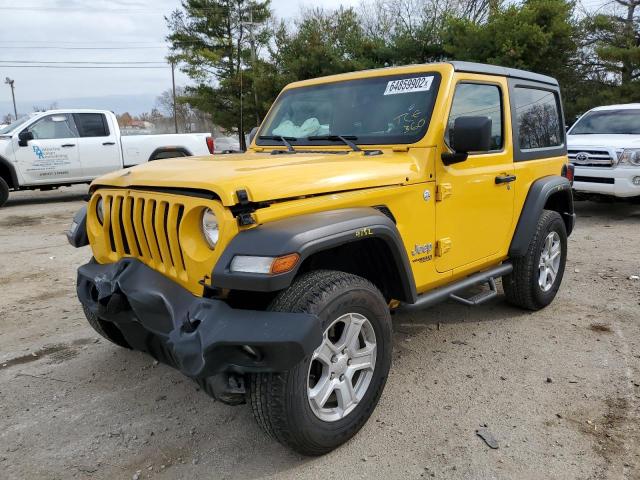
column 45, row 199
column 132, row 386
column 451, row 313
column 593, row 212
column 221, row 436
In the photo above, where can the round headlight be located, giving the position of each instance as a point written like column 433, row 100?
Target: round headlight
column 210, row 227
column 100, row 210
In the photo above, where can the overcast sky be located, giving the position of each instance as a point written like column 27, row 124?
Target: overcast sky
column 80, row 31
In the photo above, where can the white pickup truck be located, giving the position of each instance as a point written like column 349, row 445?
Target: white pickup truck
column 64, row 147
column 604, row 147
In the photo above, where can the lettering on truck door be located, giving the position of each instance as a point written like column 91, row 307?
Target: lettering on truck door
column 52, row 156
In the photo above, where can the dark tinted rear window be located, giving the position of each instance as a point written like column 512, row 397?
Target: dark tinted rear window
column 92, row 124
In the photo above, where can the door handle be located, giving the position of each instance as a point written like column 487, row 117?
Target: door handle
column 108, row 143
column 67, row 145
column 505, row 179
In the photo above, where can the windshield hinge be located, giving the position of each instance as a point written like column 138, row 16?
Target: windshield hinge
column 243, row 209
column 443, row 190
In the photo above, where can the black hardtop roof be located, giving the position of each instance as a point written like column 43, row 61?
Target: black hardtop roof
column 471, row 67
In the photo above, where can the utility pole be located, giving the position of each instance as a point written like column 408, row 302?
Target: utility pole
column 173, row 83
column 11, row 83
column 252, row 42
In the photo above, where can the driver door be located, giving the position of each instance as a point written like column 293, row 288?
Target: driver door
column 474, row 210
column 52, row 156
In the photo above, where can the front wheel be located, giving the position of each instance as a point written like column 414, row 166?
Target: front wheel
column 325, row 399
column 4, row 192
column 537, row 275
column 105, row 329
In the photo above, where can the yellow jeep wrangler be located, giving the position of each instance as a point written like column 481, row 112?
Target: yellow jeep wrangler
column 269, row 277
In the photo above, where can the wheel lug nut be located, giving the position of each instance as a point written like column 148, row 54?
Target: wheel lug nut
column 334, row 359
column 349, row 362
column 342, row 378
column 333, row 375
column 344, row 352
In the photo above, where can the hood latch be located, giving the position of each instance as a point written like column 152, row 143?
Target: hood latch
column 243, row 209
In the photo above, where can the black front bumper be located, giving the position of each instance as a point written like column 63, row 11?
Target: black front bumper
column 201, row 337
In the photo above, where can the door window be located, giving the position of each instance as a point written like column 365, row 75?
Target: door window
column 59, row 125
column 478, row 100
column 538, row 118
column 92, row 124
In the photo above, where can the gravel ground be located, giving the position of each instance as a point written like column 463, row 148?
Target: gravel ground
column 559, row 389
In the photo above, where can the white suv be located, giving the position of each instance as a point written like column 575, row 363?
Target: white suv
column 604, row 147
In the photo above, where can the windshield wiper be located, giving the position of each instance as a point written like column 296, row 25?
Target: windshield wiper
column 284, row 140
column 346, row 139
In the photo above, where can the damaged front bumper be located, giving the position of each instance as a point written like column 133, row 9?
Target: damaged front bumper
column 201, row 337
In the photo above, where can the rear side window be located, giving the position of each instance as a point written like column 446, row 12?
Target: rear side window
column 538, row 118
column 92, row 124
column 478, row 100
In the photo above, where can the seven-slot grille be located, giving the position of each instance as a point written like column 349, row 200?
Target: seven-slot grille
column 146, row 229
column 591, row 158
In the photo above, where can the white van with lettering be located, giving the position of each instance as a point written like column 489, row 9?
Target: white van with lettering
column 58, row 148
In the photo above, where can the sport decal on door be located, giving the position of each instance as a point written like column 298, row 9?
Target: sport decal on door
column 408, row 85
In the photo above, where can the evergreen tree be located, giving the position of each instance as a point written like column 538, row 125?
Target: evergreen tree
column 212, row 41
column 613, row 40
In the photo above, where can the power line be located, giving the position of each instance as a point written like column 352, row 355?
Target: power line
column 85, row 48
column 83, row 42
column 84, row 62
column 81, row 10
column 117, row 11
column 80, row 66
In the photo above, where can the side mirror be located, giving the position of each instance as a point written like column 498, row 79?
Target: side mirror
column 469, row 134
column 252, row 134
column 24, row 137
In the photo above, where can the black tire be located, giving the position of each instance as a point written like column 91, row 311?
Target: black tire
column 279, row 401
column 4, row 192
column 105, row 329
column 521, row 287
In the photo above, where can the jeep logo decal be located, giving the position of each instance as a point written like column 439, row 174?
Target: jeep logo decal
column 420, row 249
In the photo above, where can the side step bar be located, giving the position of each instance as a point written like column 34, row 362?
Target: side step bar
column 451, row 291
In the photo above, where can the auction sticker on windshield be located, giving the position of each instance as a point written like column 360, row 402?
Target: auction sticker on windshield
column 408, row 85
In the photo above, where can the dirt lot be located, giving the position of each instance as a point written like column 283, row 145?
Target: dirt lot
column 559, row 389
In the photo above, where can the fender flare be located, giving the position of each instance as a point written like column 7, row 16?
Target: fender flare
column 159, row 150
column 12, row 172
column 540, row 192
column 306, row 235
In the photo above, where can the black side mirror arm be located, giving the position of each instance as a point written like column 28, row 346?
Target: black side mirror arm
column 455, row 157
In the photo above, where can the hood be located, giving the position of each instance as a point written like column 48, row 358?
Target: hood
column 603, row 140
column 272, row 177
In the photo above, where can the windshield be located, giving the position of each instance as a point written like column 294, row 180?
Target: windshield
column 14, row 125
column 614, row 122
column 381, row 110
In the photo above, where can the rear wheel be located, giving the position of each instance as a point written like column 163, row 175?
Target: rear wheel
column 537, row 275
column 4, row 192
column 325, row 399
